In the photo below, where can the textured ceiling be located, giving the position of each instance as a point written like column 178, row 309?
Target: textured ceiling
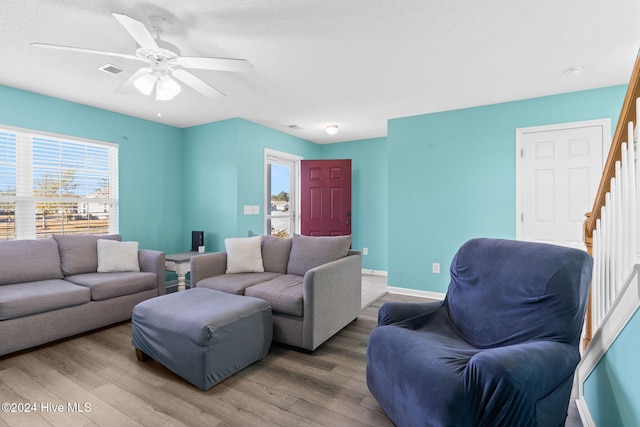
column 356, row 63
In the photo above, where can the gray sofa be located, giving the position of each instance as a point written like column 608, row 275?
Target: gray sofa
column 313, row 285
column 51, row 288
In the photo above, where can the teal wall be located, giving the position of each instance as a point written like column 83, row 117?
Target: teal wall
column 369, row 196
column 150, row 160
column 612, row 390
column 434, row 182
column 452, row 177
column 223, row 170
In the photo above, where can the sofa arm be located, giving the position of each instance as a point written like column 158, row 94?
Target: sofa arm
column 332, row 296
column 153, row 262
column 207, row 265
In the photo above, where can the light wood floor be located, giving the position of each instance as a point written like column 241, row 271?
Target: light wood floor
column 287, row 388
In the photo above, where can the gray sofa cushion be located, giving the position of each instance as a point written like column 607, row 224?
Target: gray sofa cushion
column 284, row 294
column 79, row 252
column 109, row 285
column 24, row 299
column 275, row 253
column 235, row 283
column 310, row 252
column 29, row 260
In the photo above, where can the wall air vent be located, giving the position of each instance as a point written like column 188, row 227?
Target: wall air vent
column 111, row 69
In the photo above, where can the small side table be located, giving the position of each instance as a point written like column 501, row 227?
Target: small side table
column 180, row 264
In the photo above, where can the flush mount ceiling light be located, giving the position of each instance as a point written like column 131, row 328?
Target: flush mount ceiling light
column 332, row 129
column 571, row 71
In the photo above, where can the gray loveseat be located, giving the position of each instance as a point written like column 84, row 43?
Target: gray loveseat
column 313, row 285
column 50, row 288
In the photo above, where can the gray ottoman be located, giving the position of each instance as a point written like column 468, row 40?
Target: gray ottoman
column 201, row 334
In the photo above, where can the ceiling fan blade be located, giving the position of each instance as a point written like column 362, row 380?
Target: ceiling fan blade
column 196, row 83
column 137, row 30
column 127, row 86
column 83, row 50
column 222, row 64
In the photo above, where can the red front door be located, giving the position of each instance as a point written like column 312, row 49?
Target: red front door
column 325, row 197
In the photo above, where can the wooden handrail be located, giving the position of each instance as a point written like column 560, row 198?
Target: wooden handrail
column 627, row 114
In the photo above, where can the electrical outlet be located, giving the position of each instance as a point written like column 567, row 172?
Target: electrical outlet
column 365, row 251
column 436, row 267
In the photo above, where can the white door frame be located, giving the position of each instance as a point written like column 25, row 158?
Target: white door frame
column 295, row 185
column 520, row 132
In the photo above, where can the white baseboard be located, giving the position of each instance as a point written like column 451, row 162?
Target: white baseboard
column 374, row 272
column 624, row 307
column 585, row 415
column 416, row 293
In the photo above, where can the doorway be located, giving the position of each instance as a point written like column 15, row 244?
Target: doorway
column 558, row 170
column 282, row 175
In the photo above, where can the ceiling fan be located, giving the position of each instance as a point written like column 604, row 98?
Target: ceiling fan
column 163, row 62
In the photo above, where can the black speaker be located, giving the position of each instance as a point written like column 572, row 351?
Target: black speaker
column 197, row 239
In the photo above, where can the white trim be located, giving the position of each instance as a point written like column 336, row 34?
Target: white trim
column 415, row 293
column 520, row 132
column 624, row 307
column 295, row 185
column 58, row 136
column 585, row 415
column 374, row 272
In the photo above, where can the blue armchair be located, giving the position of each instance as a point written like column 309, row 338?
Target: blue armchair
column 500, row 350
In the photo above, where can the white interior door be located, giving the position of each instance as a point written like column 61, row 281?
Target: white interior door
column 559, row 172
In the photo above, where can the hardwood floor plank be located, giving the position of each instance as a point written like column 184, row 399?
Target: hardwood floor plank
column 18, row 418
column 47, row 404
column 136, row 409
column 177, row 406
column 95, row 409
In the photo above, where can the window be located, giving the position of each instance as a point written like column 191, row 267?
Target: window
column 281, row 193
column 56, row 184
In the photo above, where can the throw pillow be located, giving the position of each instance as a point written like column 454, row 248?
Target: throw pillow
column 117, row 256
column 244, row 254
column 310, row 252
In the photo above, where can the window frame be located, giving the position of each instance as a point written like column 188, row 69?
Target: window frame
column 66, row 148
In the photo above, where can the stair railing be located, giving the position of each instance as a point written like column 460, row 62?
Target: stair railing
column 611, row 232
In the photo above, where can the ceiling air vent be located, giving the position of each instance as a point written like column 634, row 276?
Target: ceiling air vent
column 111, row 69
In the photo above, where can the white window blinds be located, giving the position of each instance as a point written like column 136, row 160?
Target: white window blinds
column 53, row 184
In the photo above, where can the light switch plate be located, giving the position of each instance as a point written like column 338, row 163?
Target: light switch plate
column 247, row 210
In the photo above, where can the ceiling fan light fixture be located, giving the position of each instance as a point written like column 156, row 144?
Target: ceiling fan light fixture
column 145, row 84
column 332, row 129
column 167, row 88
